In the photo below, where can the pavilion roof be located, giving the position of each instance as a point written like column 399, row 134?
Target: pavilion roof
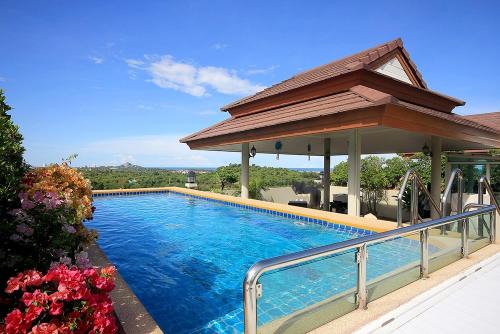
column 491, row 119
column 347, row 94
column 356, row 98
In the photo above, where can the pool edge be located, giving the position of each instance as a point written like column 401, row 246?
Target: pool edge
column 374, row 225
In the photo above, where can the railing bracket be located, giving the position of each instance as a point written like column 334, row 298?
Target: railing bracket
column 258, row 290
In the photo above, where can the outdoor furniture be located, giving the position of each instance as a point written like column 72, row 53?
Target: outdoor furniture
column 301, row 203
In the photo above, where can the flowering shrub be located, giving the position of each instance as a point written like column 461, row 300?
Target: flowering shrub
column 54, row 202
column 63, row 182
column 65, row 300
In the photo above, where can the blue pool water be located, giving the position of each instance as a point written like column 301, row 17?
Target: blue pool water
column 186, row 258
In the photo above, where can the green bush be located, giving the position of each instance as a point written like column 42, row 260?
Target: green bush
column 12, row 166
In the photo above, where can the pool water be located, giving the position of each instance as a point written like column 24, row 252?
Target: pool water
column 185, row 257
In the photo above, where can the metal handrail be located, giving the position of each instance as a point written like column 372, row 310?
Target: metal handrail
column 483, row 180
column 417, row 183
column 481, row 223
column 250, row 284
column 456, row 173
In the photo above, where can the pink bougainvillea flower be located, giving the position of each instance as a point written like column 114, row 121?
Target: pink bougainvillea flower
column 26, row 203
column 14, row 283
column 68, row 228
column 82, row 260
column 45, row 328
column 24, row 229
column 14, row 322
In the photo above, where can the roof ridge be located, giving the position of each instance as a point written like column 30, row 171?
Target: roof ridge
column 316, row 74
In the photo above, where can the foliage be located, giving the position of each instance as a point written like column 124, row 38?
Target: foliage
column 228, row 175
column 394, row 170
column 373, row 182
column 54, row 202
column 64, row 300
column 339, row 174
column 130, row 178
column 12, row 166
column 112, row 178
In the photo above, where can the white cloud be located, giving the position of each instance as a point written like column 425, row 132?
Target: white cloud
column 96, row 60
column 184, row 77
column 152, row 150
column 266, row 70
column 219, row 46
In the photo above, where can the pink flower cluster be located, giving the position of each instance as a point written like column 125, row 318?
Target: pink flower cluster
column 65, row 300
column 51, row 200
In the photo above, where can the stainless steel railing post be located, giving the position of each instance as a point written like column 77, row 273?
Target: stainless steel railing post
column 414, row 200
column 465, row 236
column 362, row 294
column 480, row 200
column 250, row 307
column 424, row 253
column 493, row 227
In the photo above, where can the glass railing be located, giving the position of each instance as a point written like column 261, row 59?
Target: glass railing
column 299, row 292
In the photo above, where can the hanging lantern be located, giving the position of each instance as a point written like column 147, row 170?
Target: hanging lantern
column 278, row 145
column 253, row 152
column 309, row 152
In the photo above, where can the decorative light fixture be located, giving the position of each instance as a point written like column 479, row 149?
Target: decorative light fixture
column 253, row 152
column 426, row 150
column 309, row 152
column 278, row 145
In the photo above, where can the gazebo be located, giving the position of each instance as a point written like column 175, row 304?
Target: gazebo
column 375, row 101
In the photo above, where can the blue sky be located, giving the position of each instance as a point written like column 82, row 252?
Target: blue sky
column 118, row 81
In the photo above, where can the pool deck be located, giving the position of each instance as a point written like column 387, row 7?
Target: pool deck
column 379, row 310
column 376, row 225
column 470, row 299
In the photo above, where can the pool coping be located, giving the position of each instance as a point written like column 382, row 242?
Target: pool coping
column 133, row 318
column 361, row 223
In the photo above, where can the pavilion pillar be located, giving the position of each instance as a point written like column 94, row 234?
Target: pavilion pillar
column 354, row 174
column 245, row 161
column 436, row 144
column 326, row 175
column 488, row 172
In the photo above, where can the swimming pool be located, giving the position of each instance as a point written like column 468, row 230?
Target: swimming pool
column 186, row 257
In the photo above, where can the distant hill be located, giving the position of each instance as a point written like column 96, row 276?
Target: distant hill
column 129, row 165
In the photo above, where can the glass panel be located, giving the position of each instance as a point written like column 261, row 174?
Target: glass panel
column 392, row 264
column 445, row 246
column 301, row 298
column 479, row 232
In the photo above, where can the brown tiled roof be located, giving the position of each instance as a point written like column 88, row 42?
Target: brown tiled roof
column 331, row 70
column 358, row 97
column 491, row 119
column 326, row 105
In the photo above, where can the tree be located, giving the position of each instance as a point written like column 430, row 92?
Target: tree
column 228, row 175
column 339, row 174
column 12, row 166
column 395, row 168
column 373, row 182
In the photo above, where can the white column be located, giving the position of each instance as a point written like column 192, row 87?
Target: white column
column 326, row 175
column 435, row 173
column 488, row 172
column 245, row 161
column 354, row 179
